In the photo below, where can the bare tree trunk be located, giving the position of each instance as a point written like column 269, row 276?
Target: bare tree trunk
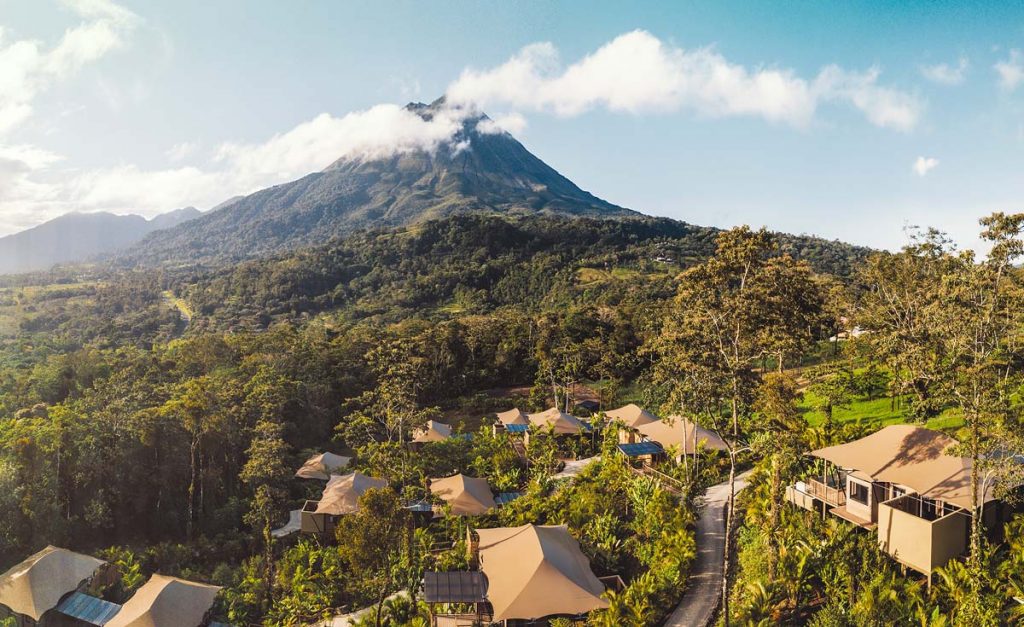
column 728, row 539
column 191, row 486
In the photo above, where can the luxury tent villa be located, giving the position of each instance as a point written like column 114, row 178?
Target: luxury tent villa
column 31, row 589
column 646, row 436
column 322, row 466
column 526, row 573
column 631, row 417
column 56, row 587
column 513, row 417
column 900, row 483
column 682, row 435
column 340, row 497
column 166, row 602
column 466, row 496
column 433, row 432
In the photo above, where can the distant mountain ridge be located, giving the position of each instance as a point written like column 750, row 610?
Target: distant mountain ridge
column 76, row 237
column 475, row 172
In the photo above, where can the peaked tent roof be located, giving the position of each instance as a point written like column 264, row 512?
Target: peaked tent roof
column 678, row 432
column 166, row 602
column 559, row 421
column 37, row 584
column 322, row 466
column 468, row 496
column 513, row 417
column 911, row 456
column 434, row 432
column 535, row 571
column 342, row 492
column 632, row 415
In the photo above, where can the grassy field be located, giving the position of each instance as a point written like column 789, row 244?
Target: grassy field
column 22, row 303
column 878, row 412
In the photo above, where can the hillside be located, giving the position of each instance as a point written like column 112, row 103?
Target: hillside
column 494, row 174
column 78, row 237
column 472, row 264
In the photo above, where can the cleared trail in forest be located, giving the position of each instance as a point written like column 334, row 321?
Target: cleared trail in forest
column 704, row 586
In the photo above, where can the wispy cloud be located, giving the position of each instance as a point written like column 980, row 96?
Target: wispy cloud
column 27, row 68
column 181, row 151
column 638, row 73
column 946, row 74
column 923, row 165
column 1011, row 70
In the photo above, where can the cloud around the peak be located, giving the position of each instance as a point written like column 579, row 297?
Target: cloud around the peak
column 638, row 73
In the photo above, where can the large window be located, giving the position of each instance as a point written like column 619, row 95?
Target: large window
column 859, row 492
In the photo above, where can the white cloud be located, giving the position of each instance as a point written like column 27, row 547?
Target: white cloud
column 946, row 74
column 1011, row 70
column 638, row 73
column 26, row 68
column 381, row 131
column 181, row 151
column 923, row 165
column 512, row 123
column 31, row 191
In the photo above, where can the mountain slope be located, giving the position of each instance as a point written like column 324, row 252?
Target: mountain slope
column 494, row 174
column 79, row 237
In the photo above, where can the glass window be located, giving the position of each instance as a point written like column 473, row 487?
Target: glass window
column 859, row 492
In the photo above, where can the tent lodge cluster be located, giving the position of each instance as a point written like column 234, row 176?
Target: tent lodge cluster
column 900, row 482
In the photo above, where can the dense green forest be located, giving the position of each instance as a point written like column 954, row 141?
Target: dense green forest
column 155, row 416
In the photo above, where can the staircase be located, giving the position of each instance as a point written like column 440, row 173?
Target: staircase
column 669, row 484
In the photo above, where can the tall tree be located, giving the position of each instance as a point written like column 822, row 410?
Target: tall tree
column 266, row 475
column 372, row 543
column 729, row 313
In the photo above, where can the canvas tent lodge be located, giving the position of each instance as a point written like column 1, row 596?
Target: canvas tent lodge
column 466, row 496
column 322, row 466
column 901, row 484
column 31, row 590
column 57, row 588
column 340, row 497
column 166, row 602
column 529, row 573
column 433, row 432
column 645, row 436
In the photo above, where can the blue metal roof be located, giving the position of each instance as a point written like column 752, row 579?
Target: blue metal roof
column 88, row 608
column 517, row 428
column 506, row 497
column 641, row 448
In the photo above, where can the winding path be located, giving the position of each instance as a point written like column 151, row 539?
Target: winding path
column 704, row 586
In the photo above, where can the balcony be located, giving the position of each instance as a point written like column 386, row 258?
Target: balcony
column 828, row 490
column 920, row 533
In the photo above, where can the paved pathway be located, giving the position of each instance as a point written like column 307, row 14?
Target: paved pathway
column 346, row 620
column 704, row 586
column 574, row 467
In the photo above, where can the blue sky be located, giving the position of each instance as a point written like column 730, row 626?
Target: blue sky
column 808, row 117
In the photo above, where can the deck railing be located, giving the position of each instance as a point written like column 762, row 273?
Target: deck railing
column 830, row 494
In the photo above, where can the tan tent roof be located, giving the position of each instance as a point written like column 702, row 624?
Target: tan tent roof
column 513, row 417
column 536, row 571
column 678, row 432
column 468, row 496
column 434, row 432
column 342, row 492
column 559, row 421
column 38, row 583
column 911, row 456
column 632, row 415
column 322, row 466
column 166, row 602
